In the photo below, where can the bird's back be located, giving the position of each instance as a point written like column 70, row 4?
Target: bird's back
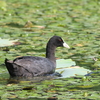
column 29, row 66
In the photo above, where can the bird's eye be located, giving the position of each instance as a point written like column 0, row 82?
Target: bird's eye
column 60, row 40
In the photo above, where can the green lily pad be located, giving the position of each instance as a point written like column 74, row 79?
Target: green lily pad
column 70, row 72
column 3, row 5
column 65, row 69
column 7, row 42
column 61, row 63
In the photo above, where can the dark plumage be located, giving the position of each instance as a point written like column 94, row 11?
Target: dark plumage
column 30, row 66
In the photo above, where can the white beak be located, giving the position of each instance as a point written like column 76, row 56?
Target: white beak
column 66, row 45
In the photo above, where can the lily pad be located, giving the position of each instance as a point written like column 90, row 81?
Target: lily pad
column 70, row 72
column 65, row 69
column 7, row 42
column 61, row 63
column 3, row 5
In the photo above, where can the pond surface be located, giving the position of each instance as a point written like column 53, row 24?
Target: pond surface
column 33, row 22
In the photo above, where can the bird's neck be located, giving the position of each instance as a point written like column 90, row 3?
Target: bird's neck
column 50, row 52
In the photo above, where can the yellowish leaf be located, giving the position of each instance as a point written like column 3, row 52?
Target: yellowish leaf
column 80, row 45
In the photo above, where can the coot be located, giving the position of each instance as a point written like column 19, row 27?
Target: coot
column 31, row 66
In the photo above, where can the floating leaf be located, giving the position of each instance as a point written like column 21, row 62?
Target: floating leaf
column 3, row 5
column 28, row 24
column 61, row 63
column 70, row 72
column 97, row 64
column 7, row 42
column 63, row 67
column 80, row 45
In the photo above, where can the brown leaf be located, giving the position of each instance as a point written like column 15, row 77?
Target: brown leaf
column 80, row 45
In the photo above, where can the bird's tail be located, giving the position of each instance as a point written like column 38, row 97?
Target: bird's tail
column 9, row 66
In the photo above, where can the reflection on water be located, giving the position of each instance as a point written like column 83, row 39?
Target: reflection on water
column 33, row 80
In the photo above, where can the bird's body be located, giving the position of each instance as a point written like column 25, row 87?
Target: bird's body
column 23, row 66
column 30, row 66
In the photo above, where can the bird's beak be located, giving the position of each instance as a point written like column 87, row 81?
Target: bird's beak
column 66, row 45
